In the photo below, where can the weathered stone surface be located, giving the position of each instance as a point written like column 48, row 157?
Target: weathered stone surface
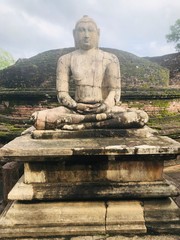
column 92, row 190
column 25, row 148
column 93, row 170
column 124, row 216
column 107, row 237
column 123, row 237
column 10, row 175
column 71, row 220
column 53, row 219
column 61, row 134
column 162, row 216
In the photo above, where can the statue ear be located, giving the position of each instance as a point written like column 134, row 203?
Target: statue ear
column 74, row 33
column 98, row 35
column 98, row 31
column 75, row 39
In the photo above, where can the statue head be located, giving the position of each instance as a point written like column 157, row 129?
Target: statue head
column 86, row 33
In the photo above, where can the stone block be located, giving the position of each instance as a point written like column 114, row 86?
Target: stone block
column 125, row 216
column 43, row 219
column 10, row 175
column 86, row 169
column 162, row 216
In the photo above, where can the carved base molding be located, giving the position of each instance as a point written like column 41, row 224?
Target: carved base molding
column 91, row 190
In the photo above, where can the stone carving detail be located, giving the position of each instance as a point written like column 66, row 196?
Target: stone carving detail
column 97, row 88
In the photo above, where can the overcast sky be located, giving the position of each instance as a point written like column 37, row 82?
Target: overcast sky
column 28, row 27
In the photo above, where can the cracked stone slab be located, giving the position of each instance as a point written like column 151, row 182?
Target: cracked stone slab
column 75, row 219
column 47, row 219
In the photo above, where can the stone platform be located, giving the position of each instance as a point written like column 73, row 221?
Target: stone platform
column 27, row 149
column 85, row 168
column 86, row 186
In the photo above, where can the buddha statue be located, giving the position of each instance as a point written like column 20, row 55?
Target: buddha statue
column 96, row 75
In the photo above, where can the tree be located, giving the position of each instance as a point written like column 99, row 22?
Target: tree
column 6, row 59
column 174, row 35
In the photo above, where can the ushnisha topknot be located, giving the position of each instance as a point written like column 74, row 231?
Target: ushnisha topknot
column 84, row 19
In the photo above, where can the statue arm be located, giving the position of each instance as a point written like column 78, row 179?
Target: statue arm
column 62, row 82
column 113, row 83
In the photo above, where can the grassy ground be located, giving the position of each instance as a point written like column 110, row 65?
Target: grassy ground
column 167, row 125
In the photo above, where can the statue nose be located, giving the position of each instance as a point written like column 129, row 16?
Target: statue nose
column 86, row 33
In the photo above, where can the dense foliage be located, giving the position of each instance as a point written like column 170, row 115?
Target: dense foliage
column 174, row 35
column 6, row 59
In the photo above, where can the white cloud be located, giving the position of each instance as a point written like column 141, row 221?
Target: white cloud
column 46, row 28
column 160, row 48
column 31, row 26
column 4, row 8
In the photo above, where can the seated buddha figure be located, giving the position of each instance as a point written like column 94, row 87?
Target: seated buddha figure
column 96, row 75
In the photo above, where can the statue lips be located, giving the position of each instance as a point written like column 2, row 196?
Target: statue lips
column 86, row 42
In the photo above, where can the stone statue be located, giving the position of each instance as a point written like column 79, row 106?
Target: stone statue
column 97, row 88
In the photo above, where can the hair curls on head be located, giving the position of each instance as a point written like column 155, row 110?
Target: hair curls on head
column 85, row 19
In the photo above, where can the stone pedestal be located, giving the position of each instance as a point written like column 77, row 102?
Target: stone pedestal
column 99, row 185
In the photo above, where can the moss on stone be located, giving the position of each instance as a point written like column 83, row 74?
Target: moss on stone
column 9, row 131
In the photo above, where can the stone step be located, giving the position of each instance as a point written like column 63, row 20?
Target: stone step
column 43, row 219
column 58, row 220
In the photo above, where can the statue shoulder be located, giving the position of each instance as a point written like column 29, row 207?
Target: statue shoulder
column 110, row 57
column 65, row 58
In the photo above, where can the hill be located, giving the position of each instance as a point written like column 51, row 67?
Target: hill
column 171, row 62
column 40, row 71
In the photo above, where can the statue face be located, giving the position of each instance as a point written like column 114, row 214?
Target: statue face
column 86, row 35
